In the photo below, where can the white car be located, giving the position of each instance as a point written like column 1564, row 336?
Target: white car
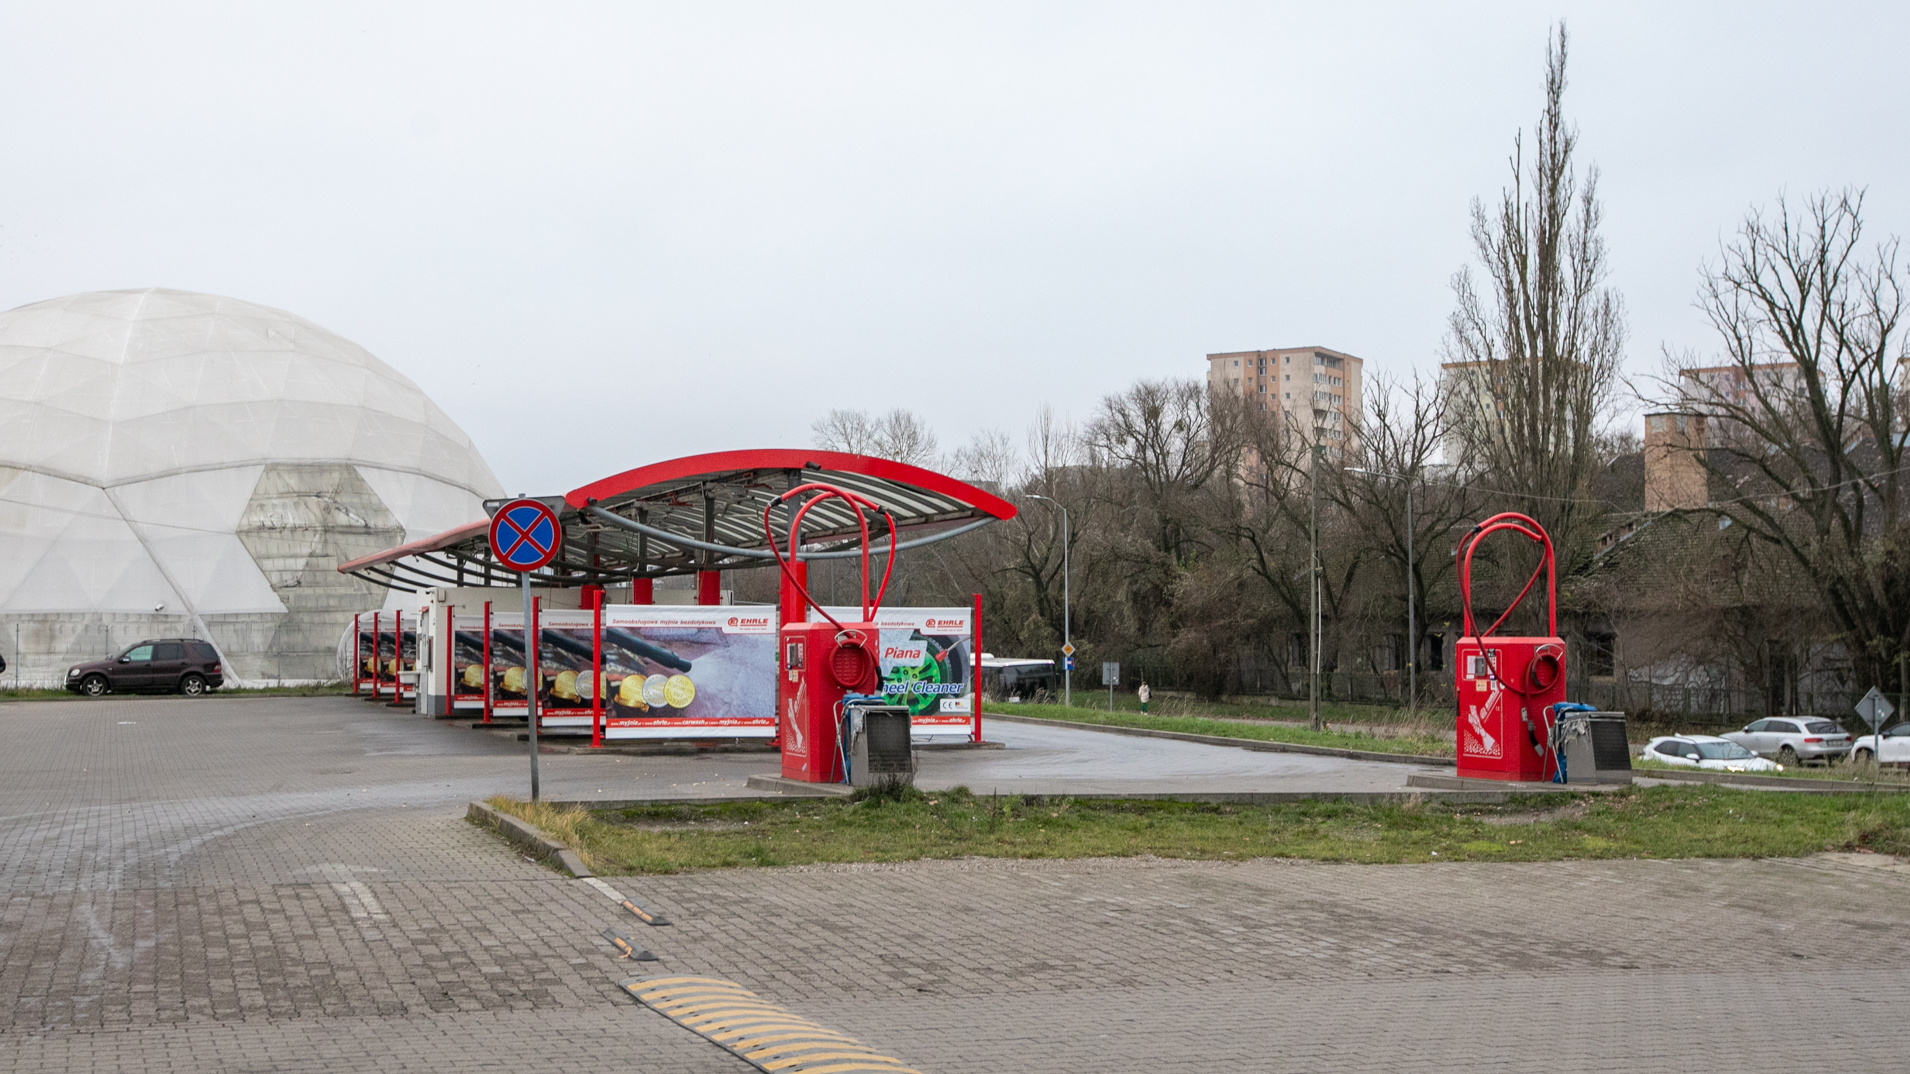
column 1895, row 748
column 1792, row 739
column 1706, row 751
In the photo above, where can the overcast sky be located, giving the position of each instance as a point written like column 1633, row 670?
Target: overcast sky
column 602, row 235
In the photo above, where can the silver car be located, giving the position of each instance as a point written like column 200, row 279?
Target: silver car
column 1792, row 739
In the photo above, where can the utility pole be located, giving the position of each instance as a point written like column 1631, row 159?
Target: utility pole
column 1412, row 635
column 1313, row 581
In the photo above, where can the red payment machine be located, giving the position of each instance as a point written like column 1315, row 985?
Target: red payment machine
column 1507, row 688
column 822, row 663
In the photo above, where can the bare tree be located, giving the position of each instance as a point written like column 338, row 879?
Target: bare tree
column 1173, row 438
column 852, row 431
column 1538, row 357
column 1808, row 412
column 988, row 459
column 1398, row 437
column 900, row 435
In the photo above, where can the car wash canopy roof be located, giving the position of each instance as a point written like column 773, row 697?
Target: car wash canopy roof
column 701, row 513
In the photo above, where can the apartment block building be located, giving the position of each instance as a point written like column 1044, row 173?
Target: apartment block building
column 1312, row 392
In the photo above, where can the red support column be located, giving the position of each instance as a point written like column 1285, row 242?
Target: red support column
column 590, row 596
column 709, row 587
column 397, row 657
column 377, row 647
column 450, row 660
column 597, row 672
column 792, row 607
column 643, row 591
column 357, row 656
column 976, row 735
column 487, row 661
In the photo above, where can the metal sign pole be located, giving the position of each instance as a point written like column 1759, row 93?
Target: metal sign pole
column 525, row 535
column 530, row 677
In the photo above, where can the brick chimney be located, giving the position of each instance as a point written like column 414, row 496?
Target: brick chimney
column 1674, row 472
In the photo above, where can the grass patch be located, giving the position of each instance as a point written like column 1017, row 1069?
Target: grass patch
column 1237, row 708
column 1425, row 739
column 1658, row 822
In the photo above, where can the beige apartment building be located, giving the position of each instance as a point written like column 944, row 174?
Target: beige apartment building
column 1312, row 392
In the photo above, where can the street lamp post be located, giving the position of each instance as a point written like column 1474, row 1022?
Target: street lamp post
column 1313, row 587
column 1067, row 625
column 1412, row 642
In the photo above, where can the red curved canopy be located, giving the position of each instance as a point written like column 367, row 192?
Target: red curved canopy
column 701, row 512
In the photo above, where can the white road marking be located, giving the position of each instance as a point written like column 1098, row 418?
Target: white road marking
column 609, row 892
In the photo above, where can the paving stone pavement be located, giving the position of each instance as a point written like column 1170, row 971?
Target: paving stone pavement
column 289, row 885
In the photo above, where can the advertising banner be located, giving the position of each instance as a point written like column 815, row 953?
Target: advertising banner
column 564, row 655
column 467, row 662
column 508, row 677
column 689, row 671
column 376, row 661
column 927, row 659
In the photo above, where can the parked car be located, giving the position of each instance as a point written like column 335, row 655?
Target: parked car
column 166, row 664
column 1892, row 747
column 1705, row 751
column 1792, row 739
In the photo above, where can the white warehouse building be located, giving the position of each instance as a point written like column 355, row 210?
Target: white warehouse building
column 184, row 465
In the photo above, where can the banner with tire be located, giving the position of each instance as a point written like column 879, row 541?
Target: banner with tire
column 688, row 671
column 928, row 658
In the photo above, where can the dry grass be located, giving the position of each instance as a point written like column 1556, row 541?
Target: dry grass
column 569, row 825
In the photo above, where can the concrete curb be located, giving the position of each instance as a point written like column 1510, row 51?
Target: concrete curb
column 1459, row 783
column 1223, row 740
column 528, row 837
column 796, row 788
column 567, row 744
column 644, row 803
column 1746, row 779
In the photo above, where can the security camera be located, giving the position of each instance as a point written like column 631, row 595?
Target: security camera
column 159, row 607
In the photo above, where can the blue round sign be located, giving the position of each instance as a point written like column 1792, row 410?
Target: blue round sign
column 525, row 535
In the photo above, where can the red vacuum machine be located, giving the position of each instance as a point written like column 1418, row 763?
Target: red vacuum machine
column 1508, row 689
column 827, row 663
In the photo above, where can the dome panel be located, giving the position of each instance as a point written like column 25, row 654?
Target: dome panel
column 135, row 355
column 166, row 448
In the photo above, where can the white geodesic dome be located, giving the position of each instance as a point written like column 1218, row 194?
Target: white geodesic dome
column 179, row 464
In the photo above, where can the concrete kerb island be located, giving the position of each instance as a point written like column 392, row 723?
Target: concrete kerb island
column 528, row 837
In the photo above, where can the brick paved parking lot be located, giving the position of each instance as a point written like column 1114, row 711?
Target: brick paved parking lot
column 288, row 885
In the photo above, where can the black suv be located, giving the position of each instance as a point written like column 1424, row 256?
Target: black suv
column 183, row 664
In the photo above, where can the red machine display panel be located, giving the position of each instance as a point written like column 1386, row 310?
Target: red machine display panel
column 1505, row 689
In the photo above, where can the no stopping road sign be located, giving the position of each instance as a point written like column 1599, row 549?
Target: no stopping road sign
column 525, row 535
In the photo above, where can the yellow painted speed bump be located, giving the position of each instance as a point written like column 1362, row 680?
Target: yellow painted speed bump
column 766, row 1036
